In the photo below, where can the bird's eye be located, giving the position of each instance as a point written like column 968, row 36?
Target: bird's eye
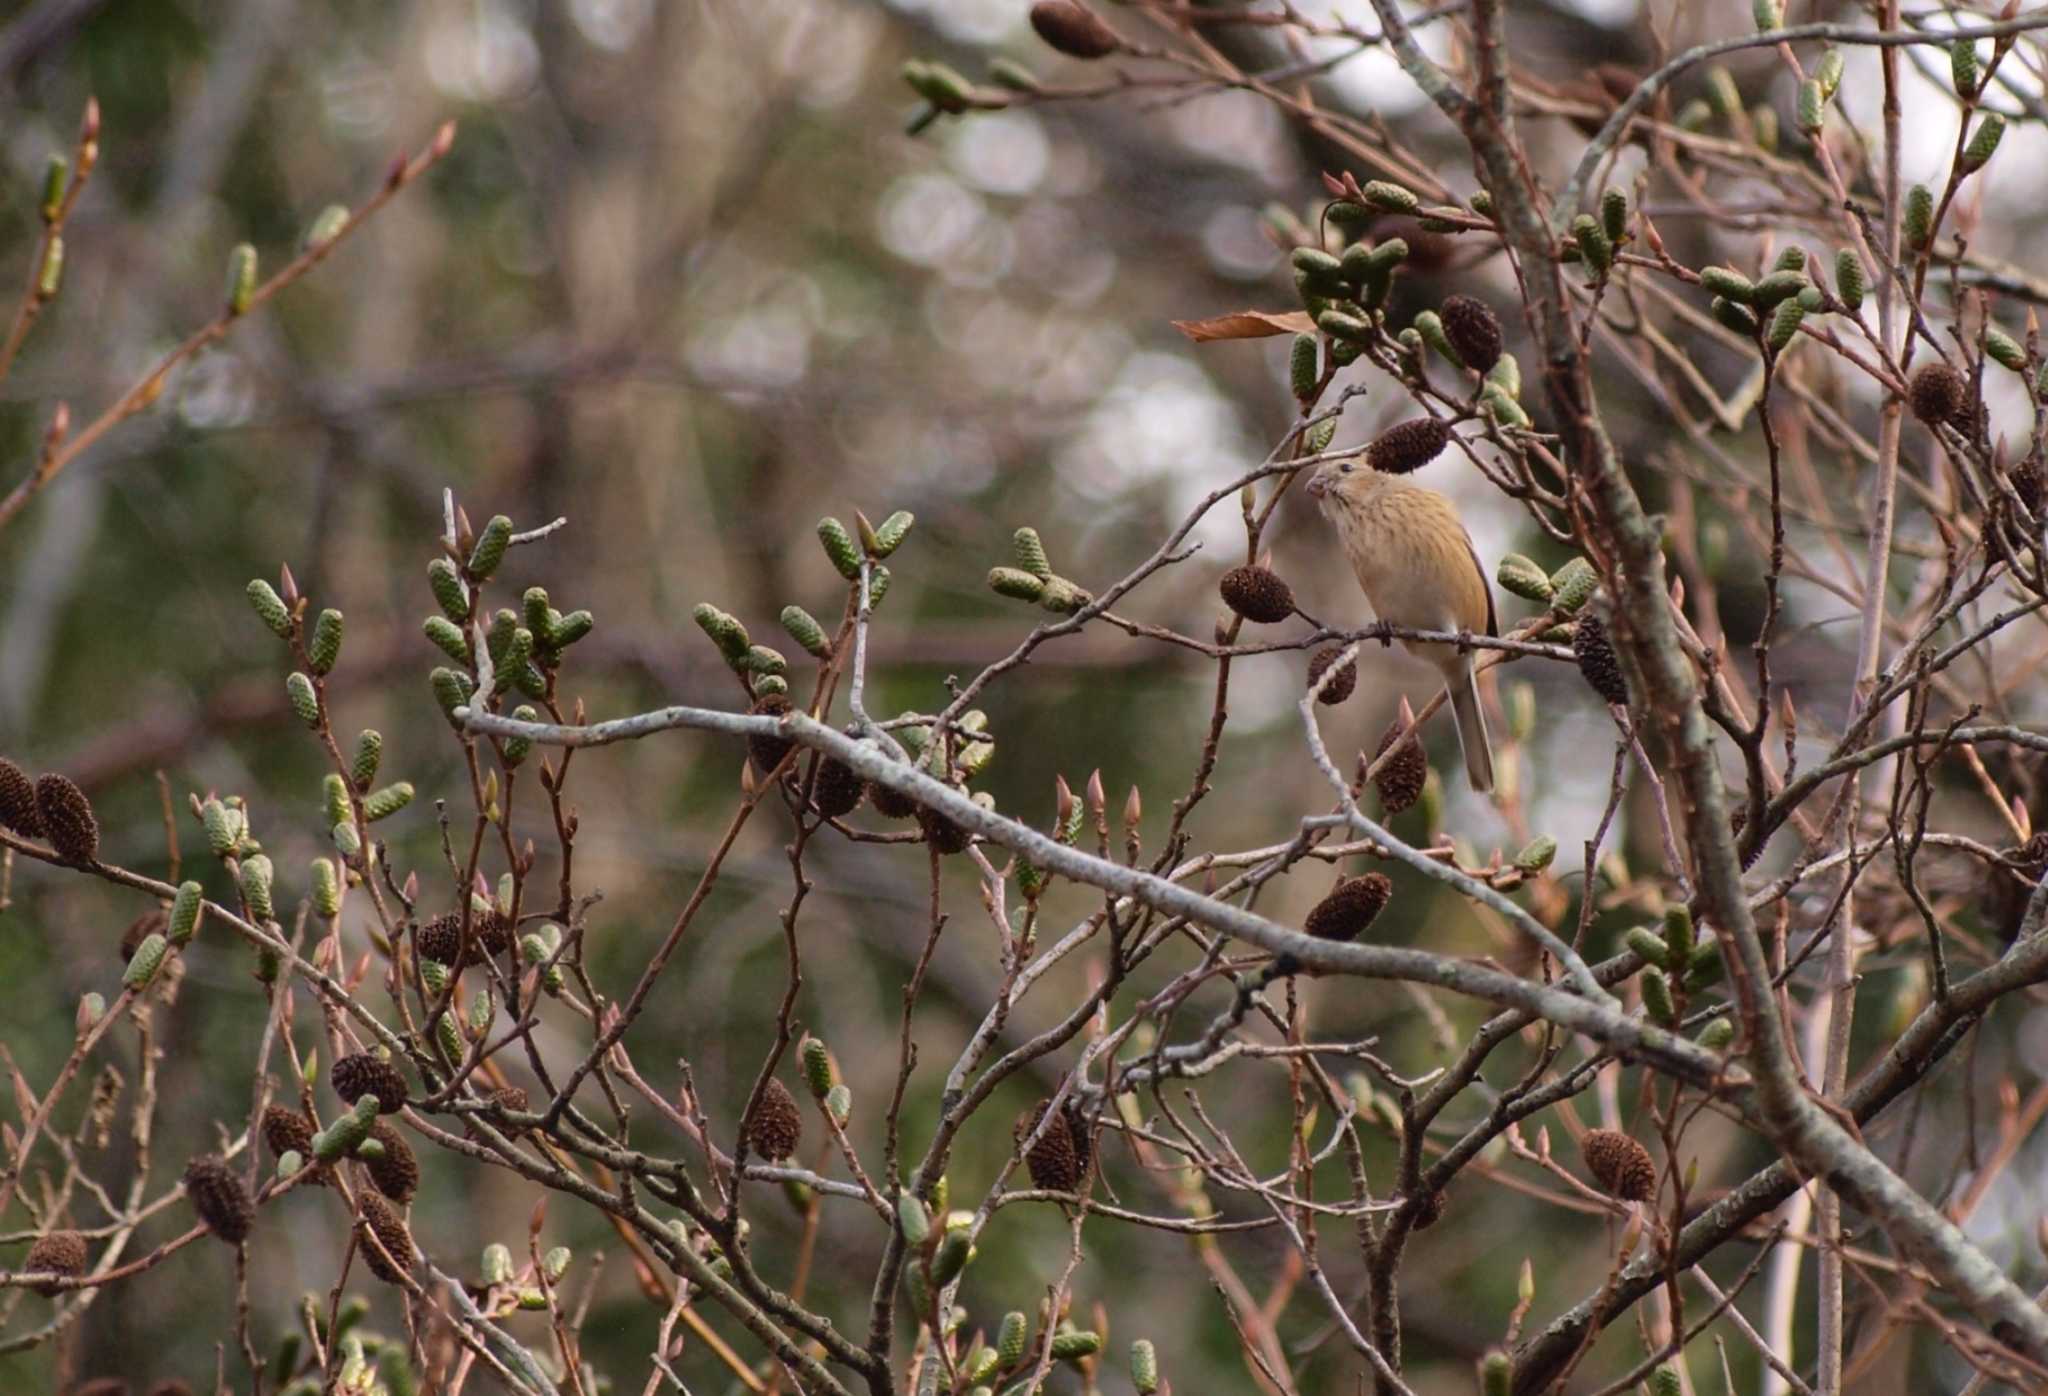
column 1344, row 468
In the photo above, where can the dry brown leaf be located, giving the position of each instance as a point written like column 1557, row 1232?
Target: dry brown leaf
column 1247, row 324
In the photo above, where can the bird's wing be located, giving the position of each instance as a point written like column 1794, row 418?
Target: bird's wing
column 1492, row 620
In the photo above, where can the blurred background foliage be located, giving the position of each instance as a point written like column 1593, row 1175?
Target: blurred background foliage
column 686, row 280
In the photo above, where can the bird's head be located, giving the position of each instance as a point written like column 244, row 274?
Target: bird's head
column 1340, row 482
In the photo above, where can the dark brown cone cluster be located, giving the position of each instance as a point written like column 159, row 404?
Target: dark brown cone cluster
column 384, row 1222
column 2028, row 480
column 1352, row 905
column 1059, row 1160
column 360, row 1074
column 1073, row 30
column 397, row 1174
column 286, row 1131
column 61, row 1253
column 1257, row 593
column 837, row 790
column 889, row 804
column 1474, row 331
column 1621, row 1166
column 18, row 801
column 510, row 1098
column 778, row 1124
column 767, row 751
column 942, row 833
column 1595, row 654
column 1408, row 445
column 440, row 939
column 1936, row 393
column 67, row 818
column 1346, row 680
column 219, row 1198
column 1429, row 1212
column 1400, row 781
column 150, row 923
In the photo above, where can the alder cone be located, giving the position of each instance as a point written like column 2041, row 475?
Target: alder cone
column 1059, row 1159
column 397, row 1174
column 1073, row 30
column 1597, row 663
column 287, row 1131
column 889, row 804
column 1352, row 905
column 1621, row 1165
column 385, row 1223
column 767, row 751
column 1258, row 594
column 1401, row 780
column 67, row 818
column 778, row 1125
column 220, row 1199
column 1428, row 1212
column 837, row 790
column 1936, row 393
column 440, row 939
column 61, row 1253
column 1408, row 446
column 360, row 1074
column 942, row 833
column 1474, row 331
column 1340, row 687
column 18, row 801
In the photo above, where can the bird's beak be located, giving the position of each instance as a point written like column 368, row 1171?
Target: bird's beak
column 1318, row 485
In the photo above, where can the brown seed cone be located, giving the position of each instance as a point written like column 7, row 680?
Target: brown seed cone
column 1429, row 1212
column 1622, row 1166
column 397, row 1174
column 778, row 1125
column 219, row 1197
column 1060, row 1157
column 1936, row 392
column 286, row 1131
column 360, row 1074
column 61, row 1253
column 889, row 804
column 767, row 752
column 1340, row 687
column 1352, row 905
column 838, row 790
column 1400, row 781
column 942, row 833
column 2028, row 480
column 1474, row 331
column 440, row 939
column 384, row 1222
column 1072, row 30
column 153, row 922
column 67, row 818
column 1258, row 594
column 18, row 801
column 1595, row 654
column 1408, row 445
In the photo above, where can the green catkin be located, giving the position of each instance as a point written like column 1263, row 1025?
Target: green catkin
column 1849, row 280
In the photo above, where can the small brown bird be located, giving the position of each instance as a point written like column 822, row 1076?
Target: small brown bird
column 1417, row 566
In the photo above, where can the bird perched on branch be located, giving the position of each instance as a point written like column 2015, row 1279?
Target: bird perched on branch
column 1418, row 568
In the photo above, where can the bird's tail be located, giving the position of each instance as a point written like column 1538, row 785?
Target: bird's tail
column 1464, row 692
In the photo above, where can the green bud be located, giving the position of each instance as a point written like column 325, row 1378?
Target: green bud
column 1430, row 326
column 1316, row 439
column 1302, row 370
column 516, row 749
column 1010, row 1339
column 1717, row 1035
column 1572, row 585
column 1812, row 300
column 725, row 631
column 347, row 1133
column 449, row 1038
column 890, row 533
column 1705, row 967
column 803, row 628
column 950, row 1258
column 56, row 176
column 1778, row 286
column 1962, row 66
column 497, row 1264
column 1729, row 284
column 1785, row 323
column 1019, row 586
column 1318, row 270
column 817, row 1067
column 270, row 606
column 1764, row 122
column 1647, row 943
column 145, row 962
column 1665, row 1382
column 449, row 592
column 1919, row 222
column 1592, row 242
column 50, row 273
column 1008, row 72
column 1075, row 1345
column 1735, row 317
column 1792, row 258
column 1144, row 1367
column 1614, row 214
column 451, row 690
column 347, row 839
column 839, row 1102
column 241, row 278
column 518, row 650
column 1506, row 375
column 1678, row 934
column 186, row 908
column 1505, row 410
column 569, row 629
column 912, row 1219
column 1722, row 93
column 1495, row 1374
column 1521, row 706
column 1657, row 996
column 762, row 659
column 390, row 800
column 289, row 1163
column 1767, row 14
column 305, row 702
column 1062, row 597
column 1389, row 197
column 840, row 548
column 334, row 798
column 938, row 84
column 255, row 886
column 326, row 887
column 1849, row 282
column 1984, row 142
column 223, row 828
column 1537, row 854
column 1522, row 577
column 482, row 1010
column 490, row 547
column 1337, row 325
column 499, row 637
column 325, row 227
column 1694, row 116
column 1829, row 73
column 1029, row 552
column 2005, row 349
column 1809, row 105
column 980, row 1363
